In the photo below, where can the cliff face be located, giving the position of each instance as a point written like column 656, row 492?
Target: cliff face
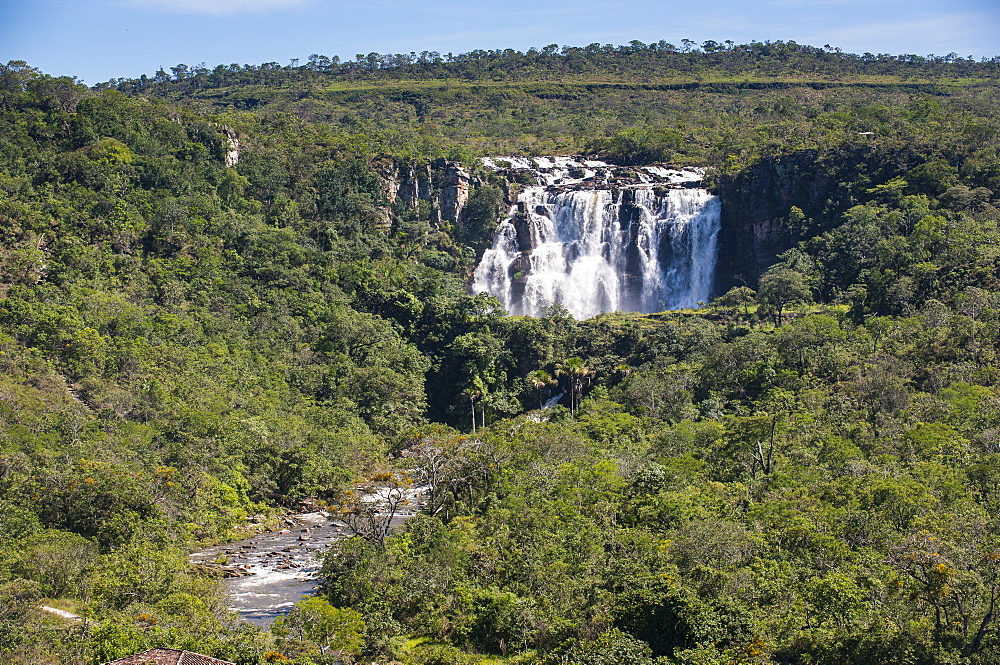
column 756, row 202
column 232, row 156
column 445, row 185
column 406, row 183
column 455, row 184
column 756, row 205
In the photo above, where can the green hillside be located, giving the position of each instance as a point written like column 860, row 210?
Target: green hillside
column 212, row 308
column 700, row 102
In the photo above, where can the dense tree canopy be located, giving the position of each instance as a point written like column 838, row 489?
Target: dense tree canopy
column 213, row 305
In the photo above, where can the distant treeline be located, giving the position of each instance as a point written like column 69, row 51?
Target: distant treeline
column 636, row 58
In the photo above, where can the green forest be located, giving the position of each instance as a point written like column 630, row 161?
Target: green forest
column 213, row 308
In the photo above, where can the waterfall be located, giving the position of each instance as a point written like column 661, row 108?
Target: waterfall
column 599, row 238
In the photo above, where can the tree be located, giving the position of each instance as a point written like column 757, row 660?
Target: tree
column 578, row 374
column 880, row 391
column 612, row 647
column 18, row 600
column 333, row 629
column 453, row 467
column 477, row 391
column 368, row 509
column 57, row 560
column 780, row 288
column 480, row 217
column 641, row 145
column 13, row 78
column 659, row 393
column 958, row 575
column 738, row 297
column 541, row 380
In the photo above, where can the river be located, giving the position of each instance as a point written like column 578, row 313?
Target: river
column 266, row 574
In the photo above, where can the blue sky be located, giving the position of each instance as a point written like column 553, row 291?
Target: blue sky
column 96, row 40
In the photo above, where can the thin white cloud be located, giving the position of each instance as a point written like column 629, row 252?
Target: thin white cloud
column 860, row 5
column 939, row 34
column 216, row 7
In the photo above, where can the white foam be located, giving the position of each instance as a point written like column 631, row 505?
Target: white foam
column 558, row 171
column 583, row 257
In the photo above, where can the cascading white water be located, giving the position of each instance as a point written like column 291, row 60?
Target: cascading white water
column 597, row 240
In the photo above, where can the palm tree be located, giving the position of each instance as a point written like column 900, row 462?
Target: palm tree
column 476, row 391
column 540, row 380
column 473, row 394
column 578, row 373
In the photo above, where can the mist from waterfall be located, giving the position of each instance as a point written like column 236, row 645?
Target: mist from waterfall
column 595, row 242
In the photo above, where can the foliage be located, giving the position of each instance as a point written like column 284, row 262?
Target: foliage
column 329, row 628
column 806, row 470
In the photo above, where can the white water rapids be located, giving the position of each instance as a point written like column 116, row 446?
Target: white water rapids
column 600, row 238
column 264, row 576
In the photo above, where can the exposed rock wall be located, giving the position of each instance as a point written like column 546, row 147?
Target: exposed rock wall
column 444, row 184
column 406, row 183
column 455, row 185
column 755, row 205
column 232, row 156
column 757, row 201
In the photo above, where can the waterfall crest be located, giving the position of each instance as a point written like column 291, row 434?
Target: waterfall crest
column 599, row 238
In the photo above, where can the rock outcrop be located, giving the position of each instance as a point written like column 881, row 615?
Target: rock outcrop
column 232, row 156
column 444, row 184
column 454, row 191
column 756, row 204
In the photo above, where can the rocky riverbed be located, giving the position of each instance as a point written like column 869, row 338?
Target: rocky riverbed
column 266, row 574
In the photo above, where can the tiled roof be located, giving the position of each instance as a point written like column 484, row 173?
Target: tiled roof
column 168, row 657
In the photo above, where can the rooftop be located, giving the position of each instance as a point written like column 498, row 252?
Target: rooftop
column 168, row 657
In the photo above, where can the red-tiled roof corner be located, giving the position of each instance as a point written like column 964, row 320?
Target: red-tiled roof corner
column 190, row 658
column 168, row 657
